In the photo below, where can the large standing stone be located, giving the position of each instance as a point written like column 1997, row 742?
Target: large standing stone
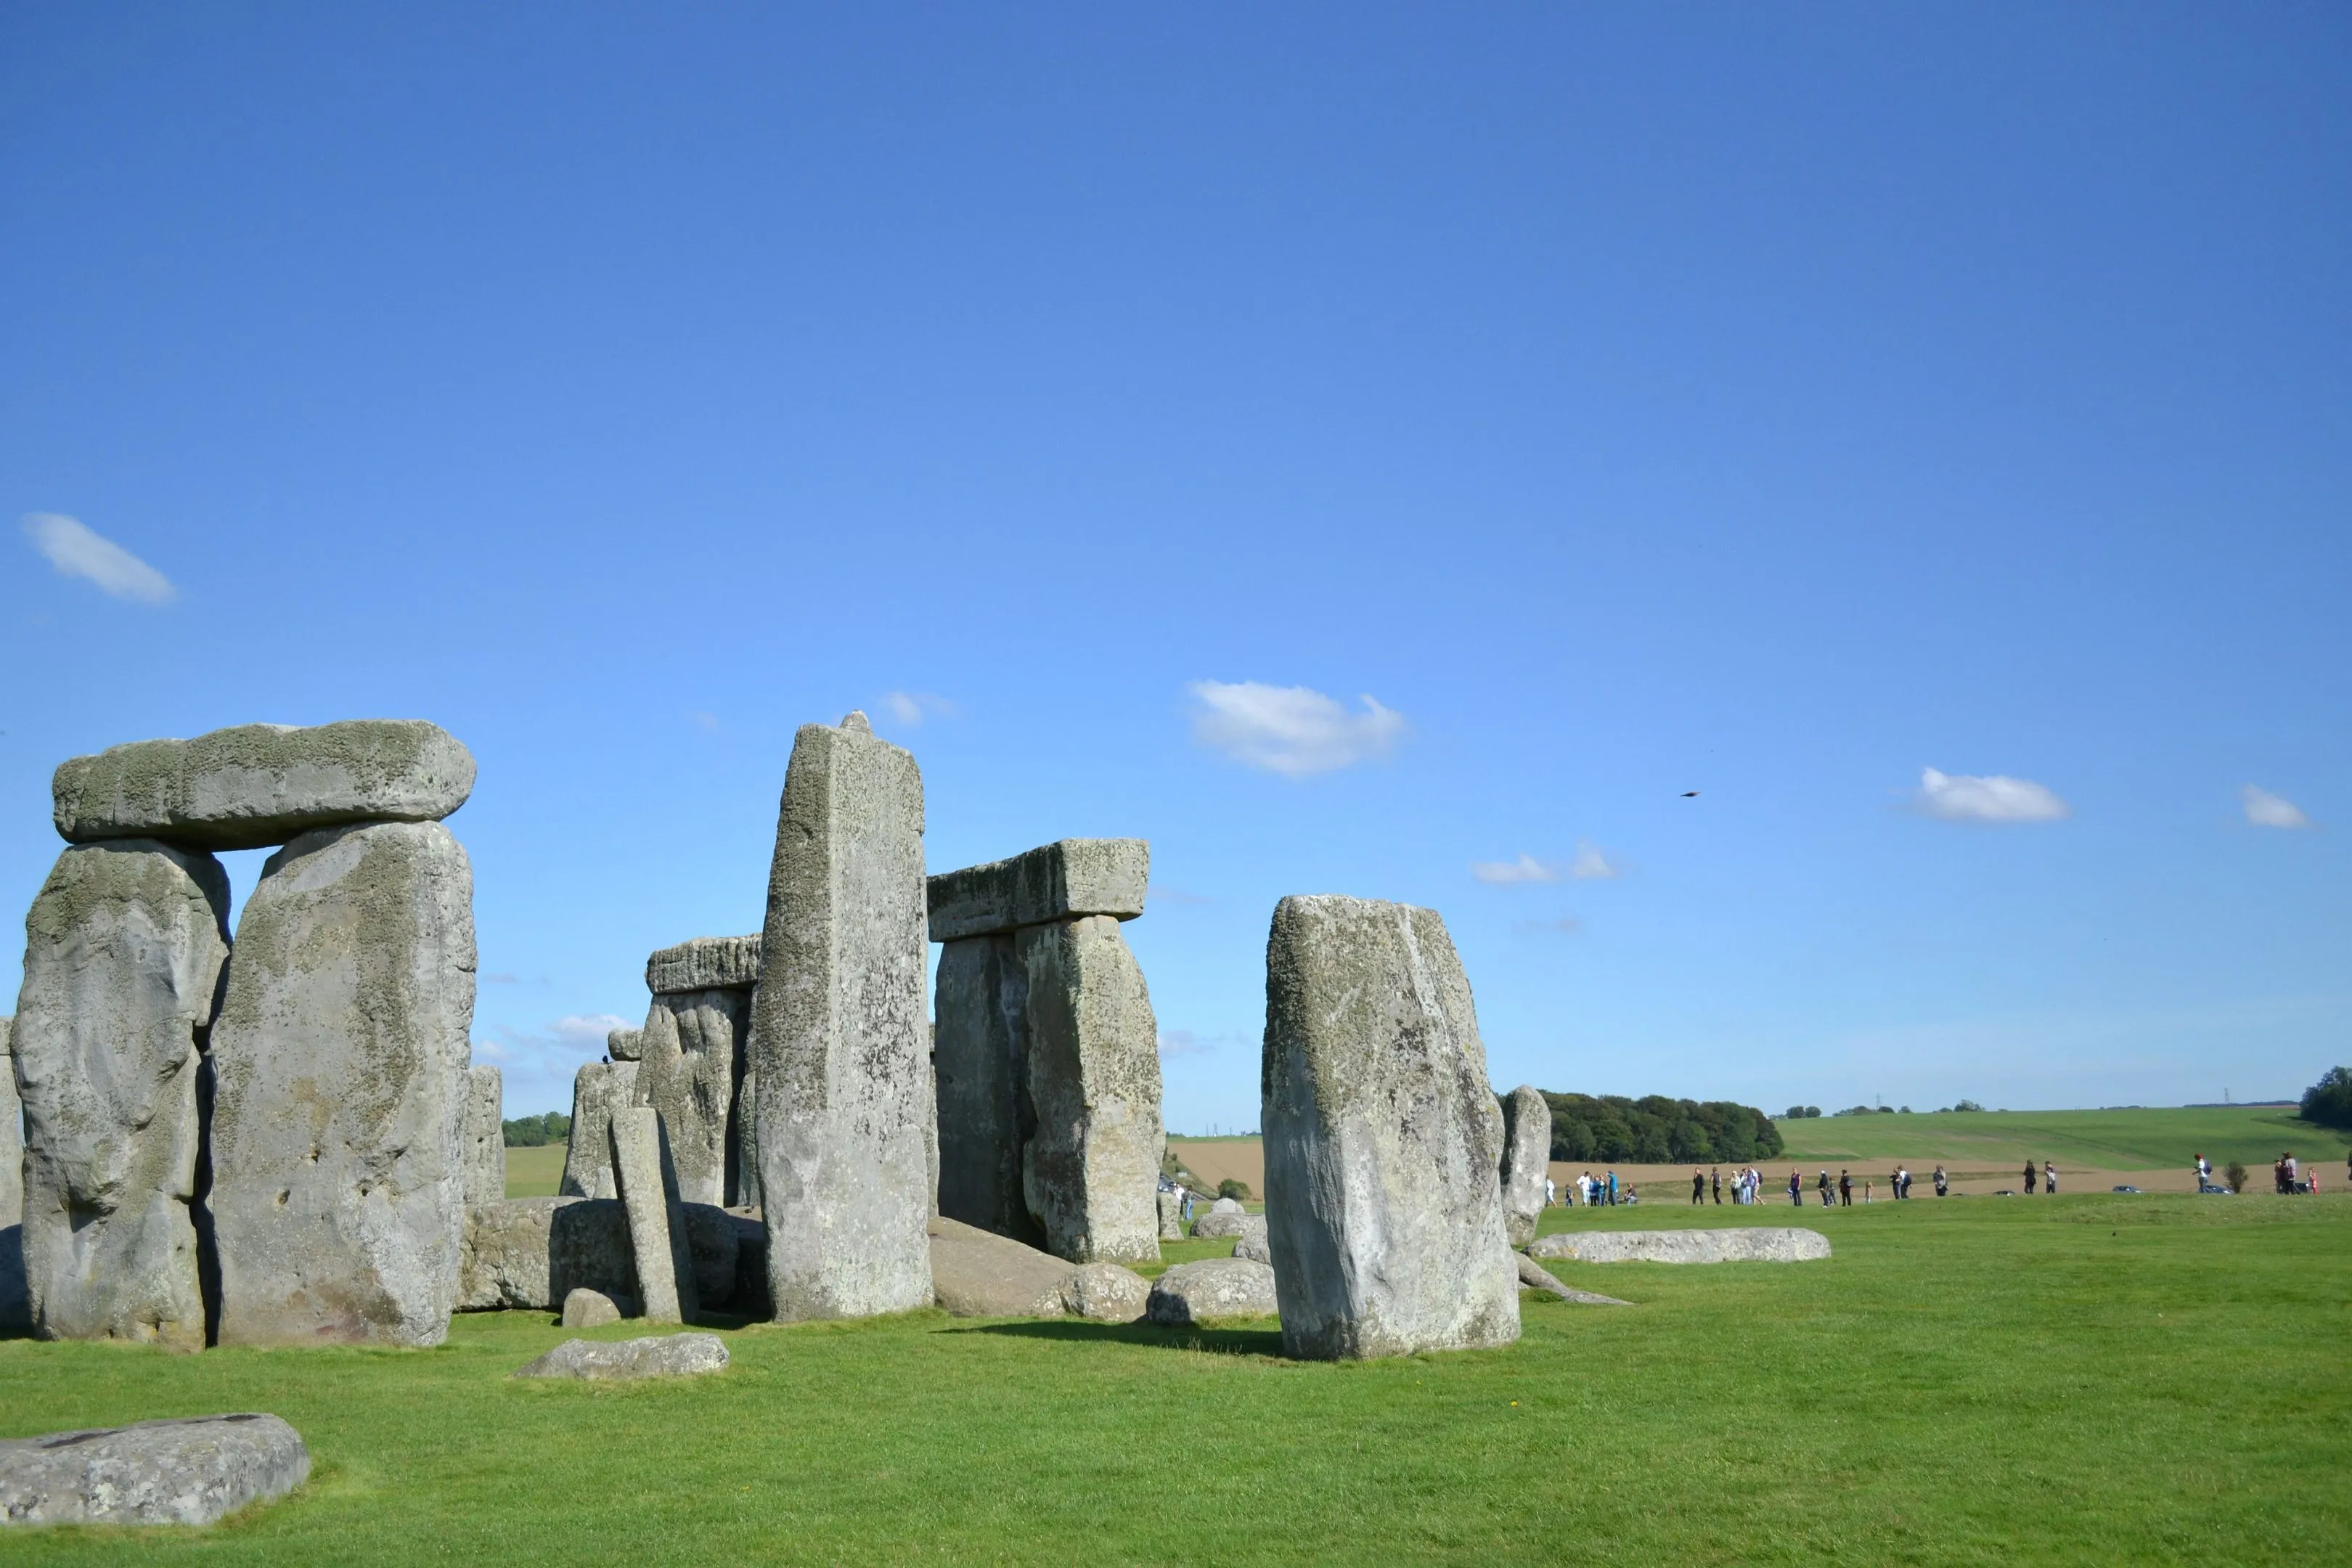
column 123, row 953
column 1056, row 882
column 598, row 1090
column 985, row 1117
column 338, row 1187
column 258, row 784
column 188, row 1469
column 1382, row 1138
column 657, row 1243
column 1527, row 1156
column 692, row 1047
column 838, row 1035
column 485, row 1136
column 16, row 1307
column 1092, row 1166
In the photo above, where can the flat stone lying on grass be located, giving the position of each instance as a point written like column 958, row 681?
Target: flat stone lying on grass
column 1251, row 1242
column 976, row 1273
column 662, row 1355
column 586, row 1309
column 258, row 784
column 1107, row 1293
column 189, row 1470
column 1760, row 1244
column 1533, row 1275
column 1211, row 1287
column 1224, row 1218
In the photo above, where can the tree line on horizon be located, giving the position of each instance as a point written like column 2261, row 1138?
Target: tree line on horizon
column 1657, row 1131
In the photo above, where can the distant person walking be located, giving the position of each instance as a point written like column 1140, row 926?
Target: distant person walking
column 1943, row 1183
column 1716, row 1176
column 1698, row 1185
column 1822, row 1186
column 2293, row 1181
column 1612, row 1189
column 1902, row 1181
column 2204, row 1174
column 1796, row 1189
column 2029, row 1174
column 2049, row 1180
column 1845, row 1189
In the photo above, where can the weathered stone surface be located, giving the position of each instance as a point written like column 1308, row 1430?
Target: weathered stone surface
column 984, row 1116
column 1225, row 1218
column 1107, row 1293
column 746, row 1155
column 598, row 1090
column 661, row 1355
column 1382, row 1138
column 1214, row 1288
column 843, row 1057
column 625, row 1045
column 586, row 1309
column 1092, row 1164
column 533, row 1252
column 706, row 964
column 483, row 1142
column 976, row 1273
column 1251, row 1242
column 186, row 1471
column 16, row 1306
column 1058, row 882
column 258, row 784
column 1535, row 1278
column 665, row 1272
column 693, row 1046
column 338, row 1194
column 1746, row 1244
column 1172, row 1217
column 123, row 953
column 1527, row 1155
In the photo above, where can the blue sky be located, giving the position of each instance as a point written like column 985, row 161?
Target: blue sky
column 1394, row 451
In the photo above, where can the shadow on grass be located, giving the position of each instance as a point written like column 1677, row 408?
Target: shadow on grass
column 1214, row 1341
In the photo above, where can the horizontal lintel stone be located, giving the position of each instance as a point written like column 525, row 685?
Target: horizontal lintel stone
column 706, row 964
column 1057, row 881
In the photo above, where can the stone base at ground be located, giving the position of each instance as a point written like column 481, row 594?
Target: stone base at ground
column 585, row 1308
column 190, row 1471
column 1760, row 1244
column 664, row 1355
column 1107, row 1293
column 532, row 1253
column 1533, row 1277
column 1214, row 1288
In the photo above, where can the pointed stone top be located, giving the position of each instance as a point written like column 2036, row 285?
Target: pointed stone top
column 855, row 719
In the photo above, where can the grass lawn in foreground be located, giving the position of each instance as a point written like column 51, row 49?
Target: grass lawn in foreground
column 2089, row 1379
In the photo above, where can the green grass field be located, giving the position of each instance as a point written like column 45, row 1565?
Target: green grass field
column 2083, row 1380
column 535, row 1172
column 2164, row 1138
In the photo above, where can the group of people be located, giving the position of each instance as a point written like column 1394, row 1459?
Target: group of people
column 2049, row 1174
column 1593, row 1192
column 1745, row 1185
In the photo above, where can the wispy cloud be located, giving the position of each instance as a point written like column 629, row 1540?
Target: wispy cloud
column 1591, row 864
column 1566, row 925
column 1184, row 1042
column 78, row 550
column 914, row 707
column 1161, row 893
column 2264, row 809
column 561, row 1043
column 502, row 979
column 1525, row 869
column 1292, row 731
column 1988, row 797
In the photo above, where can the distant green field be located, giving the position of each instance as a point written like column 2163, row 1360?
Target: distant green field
column 2087, row 1380
column 535, row 1172
column 2147, row 1140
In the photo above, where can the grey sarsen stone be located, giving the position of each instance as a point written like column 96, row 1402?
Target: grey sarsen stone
column 1064, row 880
column 1527, row 1156
column 1092, row 1164
column 183, row 1471
column 483, row 1138
column 1744, row 1243
column 664, row 1355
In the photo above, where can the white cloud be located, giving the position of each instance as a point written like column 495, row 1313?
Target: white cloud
column 1161, row 893
column 1184, row 1042
column 1591, row 863
column 1292, row 731
column 914, row 707
column 1988, row 797
column 1525, row 869
column 2264, row 809
column 564, row 1042
column 76, row 550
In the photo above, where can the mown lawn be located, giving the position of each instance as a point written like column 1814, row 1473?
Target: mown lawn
column 2089, row 1379
column 2131, row 1139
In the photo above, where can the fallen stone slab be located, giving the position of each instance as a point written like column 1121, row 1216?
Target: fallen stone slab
column 586, row 1309
column 1534, row 1278
column 1759, row 1244
column 660, row 1355
column 705, row 964
column 187, row 1470
column 1251, row 1242
column 339, row 1062
column 1382, row 1137
column 1527, row 1155
column 1107, row 1293
column 976, row 1273
column 841, row 1048
column 123, row 951
column 1213, row 1288
column 259, row 784
column 1056, row 882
